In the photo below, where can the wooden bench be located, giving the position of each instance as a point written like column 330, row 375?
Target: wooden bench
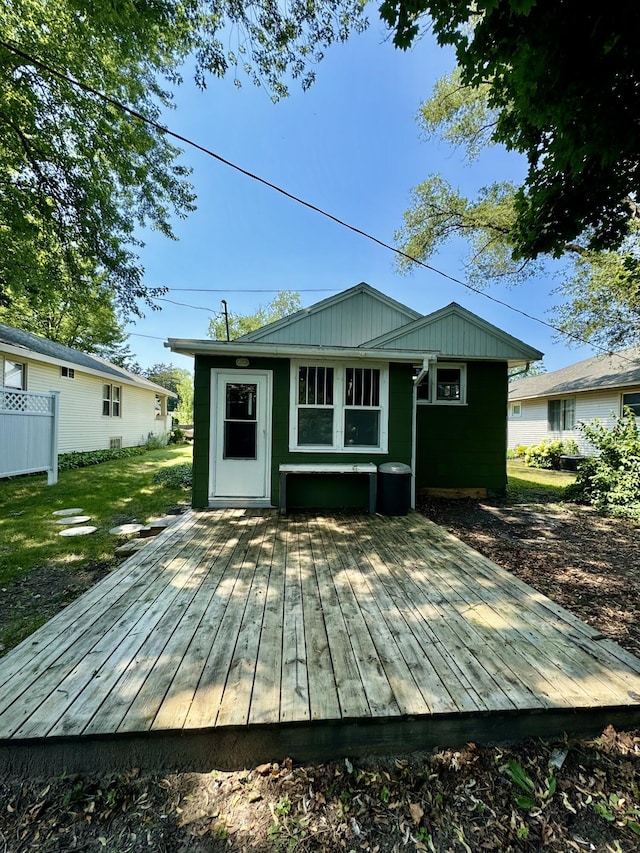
column 329, row 468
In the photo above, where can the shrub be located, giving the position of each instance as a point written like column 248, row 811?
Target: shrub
column 520, row 451
column 84, row 458
column 610, row 481
column 157, row 442
column 178, row 476
column 176, row 436
column 545, row 455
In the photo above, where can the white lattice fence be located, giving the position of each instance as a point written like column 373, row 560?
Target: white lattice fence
column 28, row 433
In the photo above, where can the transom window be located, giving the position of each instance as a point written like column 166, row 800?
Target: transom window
column 562, row 414
column 339, row 408
column 111, row 400
column 444, row 384
column 632, row 401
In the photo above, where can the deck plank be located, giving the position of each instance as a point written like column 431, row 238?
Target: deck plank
column 234, row 620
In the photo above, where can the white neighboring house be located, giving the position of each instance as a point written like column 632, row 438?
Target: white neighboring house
column 552, row 404
column 101, row 405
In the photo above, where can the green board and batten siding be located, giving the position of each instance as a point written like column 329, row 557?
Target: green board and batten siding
column 307, row 491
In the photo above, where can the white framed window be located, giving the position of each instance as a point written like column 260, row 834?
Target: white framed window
column 115, row 442
column 15, row 375
column 561, row 414
column 444, row 385
column 68, row 372
column 632, row 401
column 516, row 410
column 111, row 397
column 339, row 408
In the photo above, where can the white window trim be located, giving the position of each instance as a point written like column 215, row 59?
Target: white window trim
column 516, row 410
column 24, row 373
column 339, row 407
column 111, row 386
column 433, row 380
column 563, row 401
column 622, row 403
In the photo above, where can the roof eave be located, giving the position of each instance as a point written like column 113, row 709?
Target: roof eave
column 250, row 348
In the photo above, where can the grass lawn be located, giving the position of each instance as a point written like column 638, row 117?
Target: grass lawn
column 535, row 485
column 111, row 493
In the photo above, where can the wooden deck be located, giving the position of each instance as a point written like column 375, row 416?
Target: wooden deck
column 240, row 636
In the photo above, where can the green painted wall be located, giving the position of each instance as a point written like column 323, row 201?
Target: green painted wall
column 466, row 446
column 303, row 491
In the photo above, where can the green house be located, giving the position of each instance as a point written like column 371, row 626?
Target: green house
column 335, row 390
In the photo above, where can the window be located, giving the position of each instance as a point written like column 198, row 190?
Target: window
column 111, row 401
column 115, row 443
column 632, row 401
column 15, row 375
column 516, row 410
column 68, row 372
column 562, row 414
column 445, row 384
column 338, row 408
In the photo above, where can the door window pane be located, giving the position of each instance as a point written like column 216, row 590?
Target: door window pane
column 240, row 440
column 315, row 426
column 241, row 402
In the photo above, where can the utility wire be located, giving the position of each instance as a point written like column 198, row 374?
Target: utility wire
column 191, row 143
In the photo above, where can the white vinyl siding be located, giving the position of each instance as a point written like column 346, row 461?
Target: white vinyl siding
column 82, row 425
column 531, row 427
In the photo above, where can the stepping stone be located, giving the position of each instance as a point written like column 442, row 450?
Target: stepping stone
column 126, row 529
column 73, row 519
column 74, row 510
column 78, row 531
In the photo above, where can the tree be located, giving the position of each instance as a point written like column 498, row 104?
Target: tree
column 170, row 377
column 185, row 398
column 600, row 290
column 535, row 369
column 80, row 178
column 563, row 82
column 285, row 303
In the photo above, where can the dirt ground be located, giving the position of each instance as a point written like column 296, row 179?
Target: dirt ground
column 571, row 795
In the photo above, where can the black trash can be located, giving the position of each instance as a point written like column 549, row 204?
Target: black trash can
column 394, row 488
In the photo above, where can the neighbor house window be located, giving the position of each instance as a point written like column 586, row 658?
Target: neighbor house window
column 68, row 372
column 562, row 414
column 632, row 401
column 444, row 384
column 516, row 410
column 338, row 408
column 111, row 400
column 15, row 375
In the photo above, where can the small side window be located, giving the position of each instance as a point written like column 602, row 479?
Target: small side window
column 516, row 410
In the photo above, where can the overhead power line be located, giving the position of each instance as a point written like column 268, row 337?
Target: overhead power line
column 210, row 153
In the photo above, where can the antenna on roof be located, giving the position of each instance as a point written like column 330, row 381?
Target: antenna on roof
column 223, row 302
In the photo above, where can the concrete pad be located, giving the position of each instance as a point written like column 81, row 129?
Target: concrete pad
column 126, row 529
column 164, row 521
column 78, row 531
column 74, row 510
column 73, row 519
column 131, row 547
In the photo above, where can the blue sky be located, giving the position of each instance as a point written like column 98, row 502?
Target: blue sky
column 350, row 145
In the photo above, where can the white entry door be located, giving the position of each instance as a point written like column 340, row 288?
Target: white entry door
column 241, row 438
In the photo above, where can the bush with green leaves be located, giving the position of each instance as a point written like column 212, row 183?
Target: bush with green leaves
column 176, row 476
column 84, row 458
column 545, row 455
column 610, row 481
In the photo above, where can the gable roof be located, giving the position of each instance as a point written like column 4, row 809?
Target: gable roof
column 34, row 345
column 455, row 332
column 616, row 370
column 346, row 319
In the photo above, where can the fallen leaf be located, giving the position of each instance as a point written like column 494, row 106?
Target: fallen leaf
column 417, row 812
